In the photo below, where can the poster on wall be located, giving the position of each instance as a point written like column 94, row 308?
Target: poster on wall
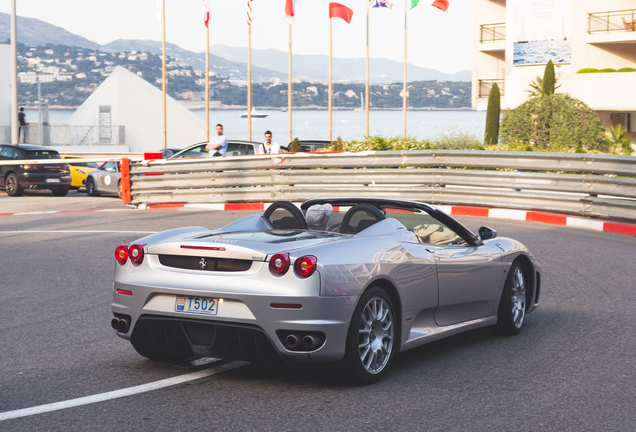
column 543, row 32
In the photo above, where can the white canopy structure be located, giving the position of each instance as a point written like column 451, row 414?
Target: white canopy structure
column 125, row 99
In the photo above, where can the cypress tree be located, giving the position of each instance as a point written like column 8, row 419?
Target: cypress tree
column 294, row 147
column 492, row 116
column 549, row 80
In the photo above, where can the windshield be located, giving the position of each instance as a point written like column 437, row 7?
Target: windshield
column 43, row 154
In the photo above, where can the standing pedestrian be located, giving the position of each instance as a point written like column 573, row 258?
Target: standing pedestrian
column 268, row 147
column 23, row 125
column 217, row 144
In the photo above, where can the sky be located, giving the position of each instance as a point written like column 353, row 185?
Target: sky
column 436, row 40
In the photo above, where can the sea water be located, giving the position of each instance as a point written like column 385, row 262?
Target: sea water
column 314, row 124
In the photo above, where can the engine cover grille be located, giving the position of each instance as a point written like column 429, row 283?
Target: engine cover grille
column 205, row 264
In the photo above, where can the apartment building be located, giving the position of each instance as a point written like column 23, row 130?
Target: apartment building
column 514, row 39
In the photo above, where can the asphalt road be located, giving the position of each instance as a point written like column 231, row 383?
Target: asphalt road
column 571, row 368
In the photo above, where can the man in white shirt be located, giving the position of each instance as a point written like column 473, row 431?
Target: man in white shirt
column 218, row 144
column 268, row 147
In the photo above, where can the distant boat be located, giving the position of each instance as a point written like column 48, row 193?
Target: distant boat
column 361, row 103
column 284, row 110
column 255, row 114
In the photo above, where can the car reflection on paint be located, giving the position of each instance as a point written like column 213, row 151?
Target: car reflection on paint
column 104, row 180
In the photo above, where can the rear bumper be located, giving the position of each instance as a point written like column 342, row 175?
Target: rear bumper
column 246, row 312
column 44, row 181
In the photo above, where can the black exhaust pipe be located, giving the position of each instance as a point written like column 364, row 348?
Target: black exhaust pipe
column 292, row 341
column 114, row 323
column 309, row 342
column 123, row 325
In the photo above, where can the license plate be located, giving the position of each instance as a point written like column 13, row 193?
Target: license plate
column 197, row 305
column 52, row 180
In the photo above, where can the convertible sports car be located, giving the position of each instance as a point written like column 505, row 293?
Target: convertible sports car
column 349, row 280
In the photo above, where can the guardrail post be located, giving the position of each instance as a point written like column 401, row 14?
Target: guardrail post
column 125, row 181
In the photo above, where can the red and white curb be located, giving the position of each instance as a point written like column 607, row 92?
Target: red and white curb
column 521, row 215
column 63, row 211
column 498, row 213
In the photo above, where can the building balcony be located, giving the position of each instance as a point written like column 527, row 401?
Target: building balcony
column 602, row 91
column 485, row 85
column 612, row 27
column 492, row 38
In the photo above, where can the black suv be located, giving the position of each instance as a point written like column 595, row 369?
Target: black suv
column 15, row 178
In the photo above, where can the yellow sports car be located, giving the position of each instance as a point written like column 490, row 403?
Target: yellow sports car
column 79, row 171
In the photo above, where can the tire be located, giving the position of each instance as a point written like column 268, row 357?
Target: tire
column 119, row 189
column 12, row 186
column 512, row 306
column 91, row 190
column 370, row 347
column 60, row 192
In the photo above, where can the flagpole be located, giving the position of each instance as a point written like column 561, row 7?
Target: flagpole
column 289, row 87
column 330, row 102
column 163, row 74
column 207, row 82
column 14, row 78
column 249, row 82
column 367, row 86
column 404, row 102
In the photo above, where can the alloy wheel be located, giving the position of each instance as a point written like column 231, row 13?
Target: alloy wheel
column 11, row 185
column 518, row 297
column 375, row 335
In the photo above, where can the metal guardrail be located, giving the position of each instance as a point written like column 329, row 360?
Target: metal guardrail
column 68, row 135
column 573, row 183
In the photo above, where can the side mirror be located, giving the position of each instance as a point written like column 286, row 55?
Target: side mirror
column 486, row 233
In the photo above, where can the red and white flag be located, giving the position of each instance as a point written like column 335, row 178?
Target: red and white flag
column 441, row 4
column 340, row 9
column 206, row 12
column 290, row 7
column 249, row 12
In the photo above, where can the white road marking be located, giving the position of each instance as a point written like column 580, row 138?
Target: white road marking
column 78, row 232
column 169, row 382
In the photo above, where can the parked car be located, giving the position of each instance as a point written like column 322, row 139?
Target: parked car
column 104, row 180
column 15, row 178
column 349, row 279
column 168, row 152
column 313, row 145
column 79, row 170
column 234, row 148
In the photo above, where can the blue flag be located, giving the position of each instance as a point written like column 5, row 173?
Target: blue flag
column 380, row 4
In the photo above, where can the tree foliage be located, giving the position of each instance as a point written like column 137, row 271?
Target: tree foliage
column 294, row 147
column 549, row 80
column 554, row 123
column 619, row 140
column 492, row 116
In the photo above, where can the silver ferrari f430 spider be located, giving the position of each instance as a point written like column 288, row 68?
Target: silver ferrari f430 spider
column 352, row 281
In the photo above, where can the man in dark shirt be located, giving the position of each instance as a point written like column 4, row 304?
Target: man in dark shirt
column 23, row 125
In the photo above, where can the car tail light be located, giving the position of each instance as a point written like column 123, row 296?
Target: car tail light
column 279, row 264
column 121, row 254
column 305, row 266
column 136, row 253
column 30, row 166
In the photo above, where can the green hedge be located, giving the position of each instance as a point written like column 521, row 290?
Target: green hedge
column 606, row 70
